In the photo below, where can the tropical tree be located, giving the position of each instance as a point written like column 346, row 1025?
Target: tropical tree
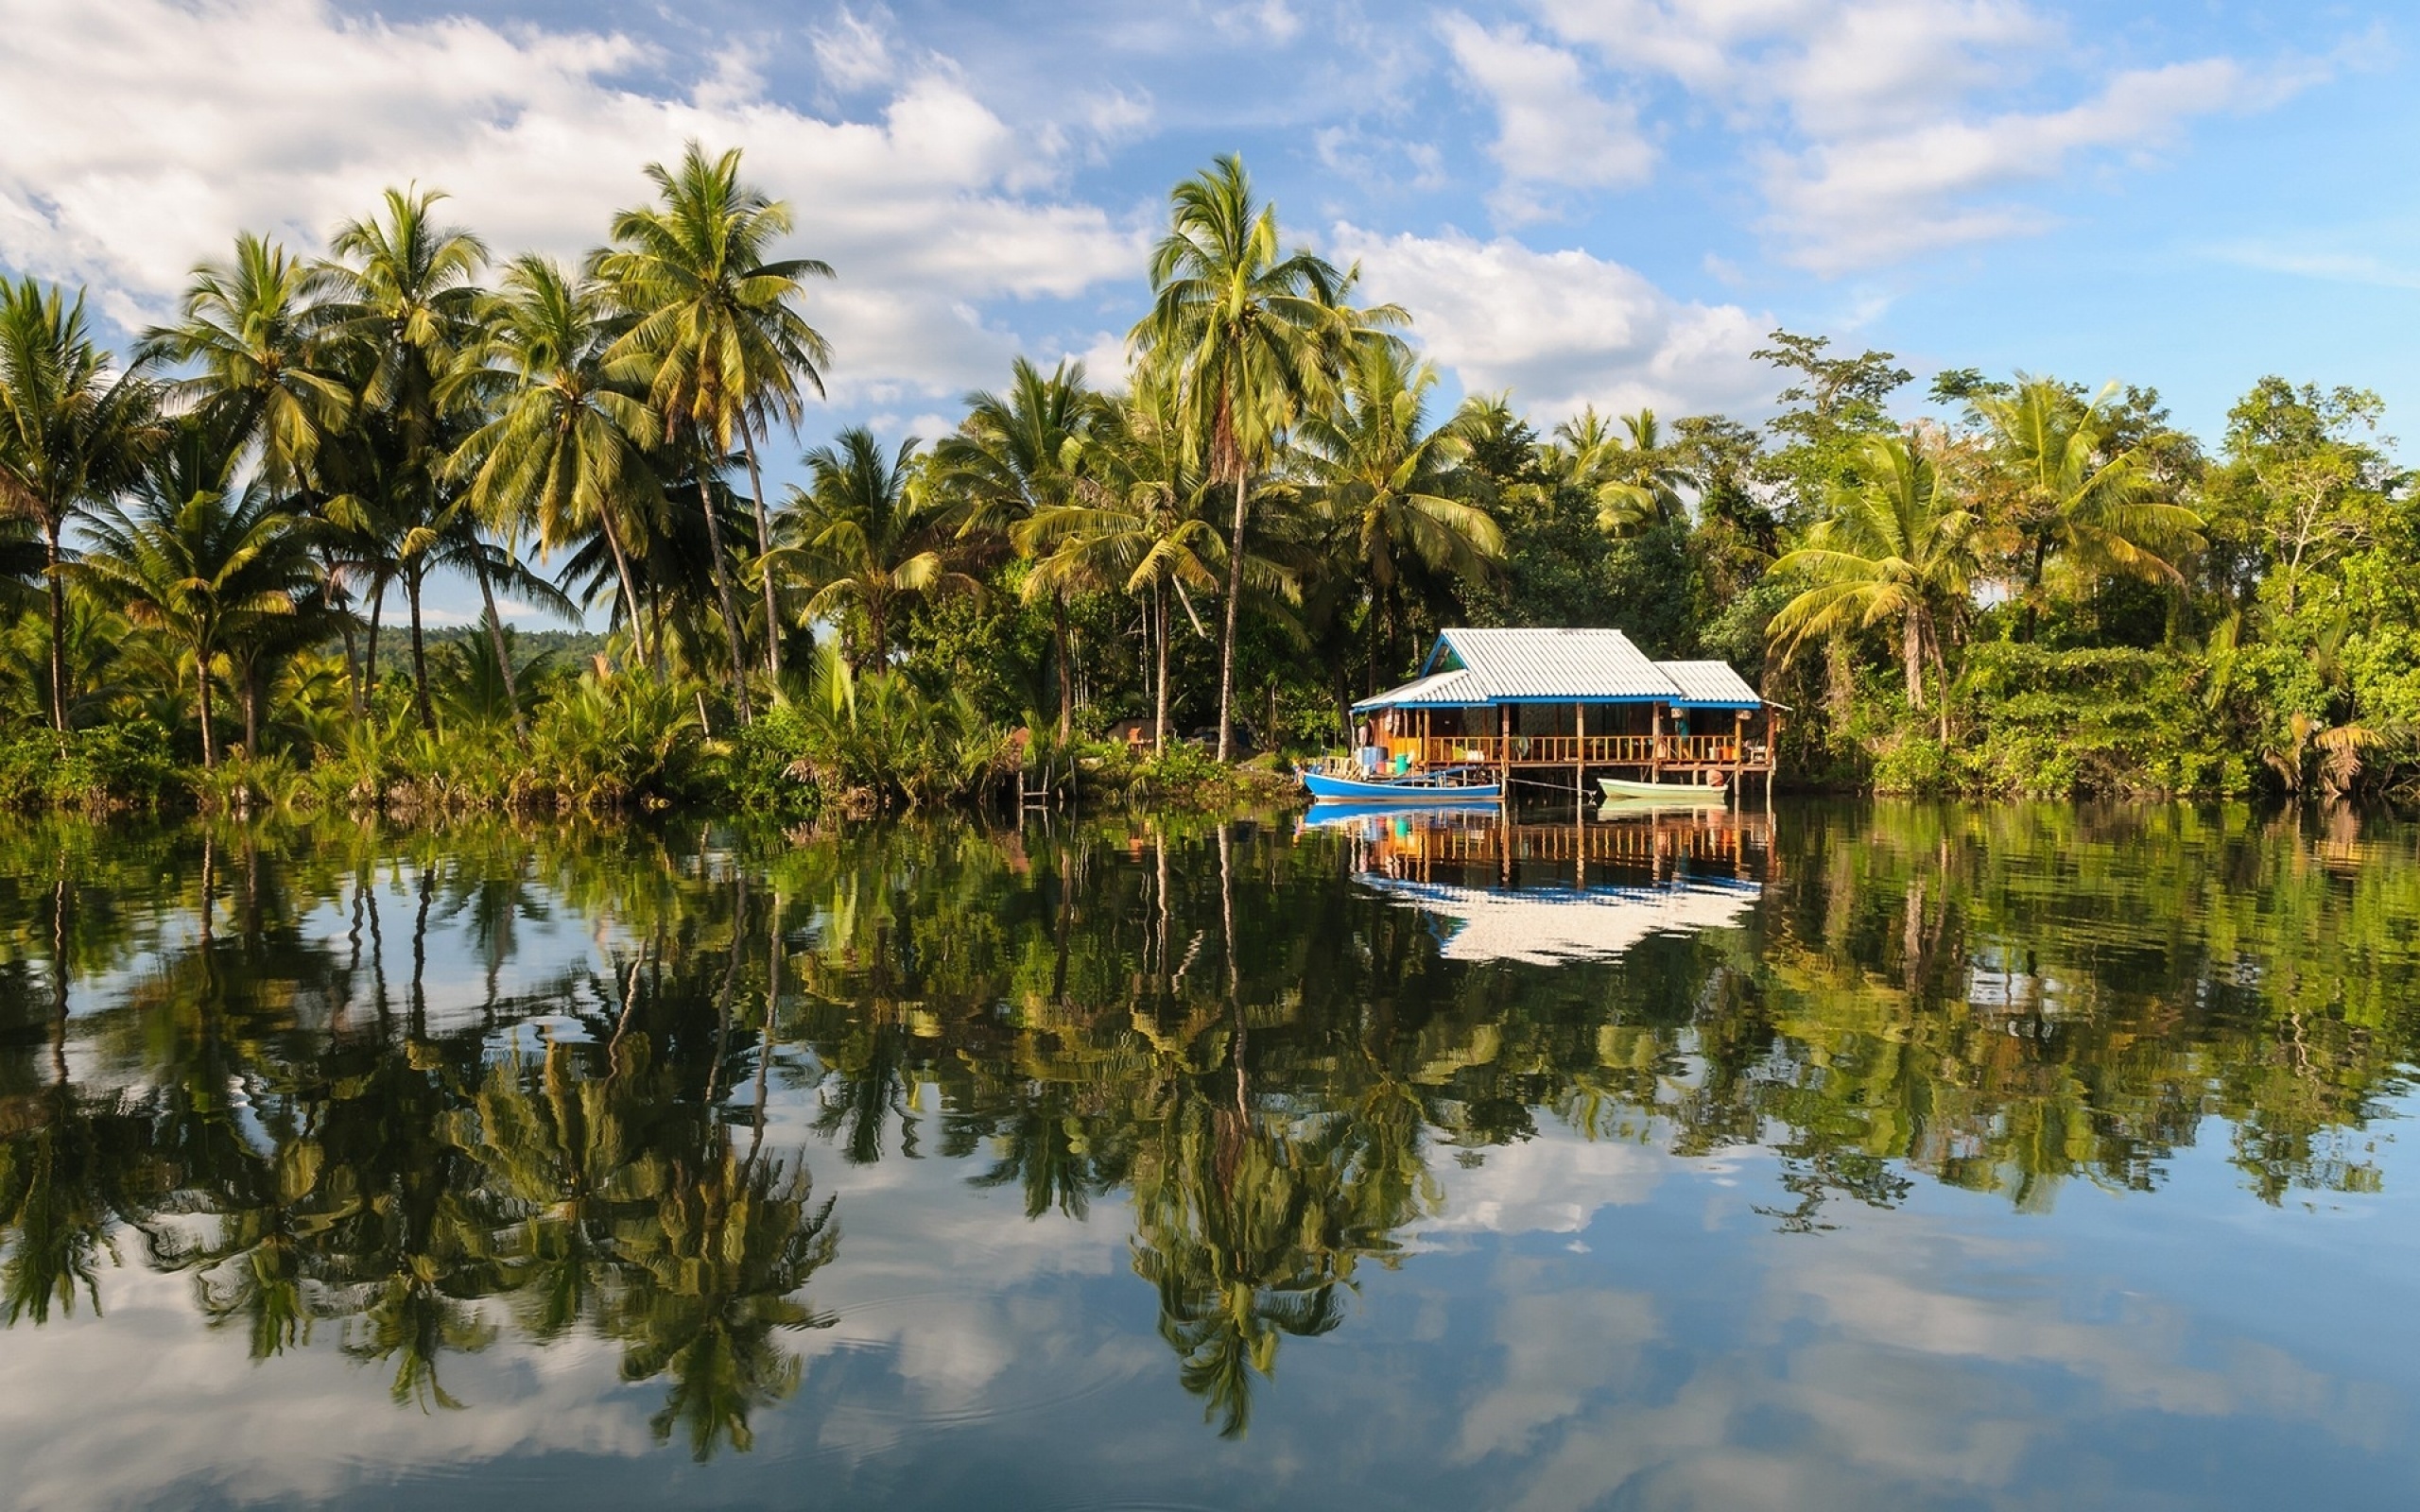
column 1020, row 455
column 716, row 328
column 566, row 451
column 1388, row 480
column 255, row 329
column 868, row 532
column 1895, row 546
column 2071, row 493
column 1633, row 474
column 1251, row 339
column 72, row 430
column 407, row 300
column 199, row 555
column 1135, row 524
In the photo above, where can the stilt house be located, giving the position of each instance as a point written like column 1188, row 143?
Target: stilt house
column 1578, row 703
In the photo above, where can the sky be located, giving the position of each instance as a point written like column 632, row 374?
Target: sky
column 1580, row 201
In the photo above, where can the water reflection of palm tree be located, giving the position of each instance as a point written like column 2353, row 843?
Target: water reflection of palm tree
column 1237, row 1231
column 737, row 1238
column 60, row 1193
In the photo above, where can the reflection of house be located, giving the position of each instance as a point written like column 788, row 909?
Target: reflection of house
column 1543, row 893
column 1582, row 701
column 1567, row 924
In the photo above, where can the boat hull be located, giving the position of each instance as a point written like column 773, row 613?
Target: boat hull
column 1331, row 789
column 1330, row 813
column 1677, row 794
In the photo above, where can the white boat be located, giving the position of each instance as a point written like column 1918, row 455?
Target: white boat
column 1676, row 795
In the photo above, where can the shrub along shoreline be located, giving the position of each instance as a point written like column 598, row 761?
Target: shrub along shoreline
column 623, row 744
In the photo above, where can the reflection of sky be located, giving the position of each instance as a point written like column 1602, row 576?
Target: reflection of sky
column 1580, row 1324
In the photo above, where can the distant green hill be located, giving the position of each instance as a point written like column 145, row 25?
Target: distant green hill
column 570, row 648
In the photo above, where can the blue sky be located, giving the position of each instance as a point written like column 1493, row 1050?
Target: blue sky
column 1582, row 201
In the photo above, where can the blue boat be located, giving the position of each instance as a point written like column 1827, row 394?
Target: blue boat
column 1328, row 814
column 1440, row 784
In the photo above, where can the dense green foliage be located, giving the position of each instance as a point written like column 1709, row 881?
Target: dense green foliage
column 1264, row 517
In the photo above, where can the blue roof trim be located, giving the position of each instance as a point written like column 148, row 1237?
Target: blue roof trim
column 1431, row 665
column 1557, row 700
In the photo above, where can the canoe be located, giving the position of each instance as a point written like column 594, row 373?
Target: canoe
column 1413, row 787
column 1687, row 795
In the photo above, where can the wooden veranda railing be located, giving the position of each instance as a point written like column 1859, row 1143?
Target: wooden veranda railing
column 1590, row 750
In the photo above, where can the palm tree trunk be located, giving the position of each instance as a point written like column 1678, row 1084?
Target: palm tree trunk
column 630, row 590
column 2033, row 591
column 1939, row 672
column 352, row 672
column 369, row 666
column 252, row 708
column 1371, row 678
column 58, row 629
column 427, row 711
column 1911, row 657
column 880, row 659
column 1066, row 672
column 1160, row 710
column 764, row 544
column 1227, row 635
column 722, row 591
column 503, row 656
column 201, row 687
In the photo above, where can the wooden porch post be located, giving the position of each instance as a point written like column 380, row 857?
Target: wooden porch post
column 1738, row 747
column 1504, row 748
column 1580, row 749
column 1655, row 749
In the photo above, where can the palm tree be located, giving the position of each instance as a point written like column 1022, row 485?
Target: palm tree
column 406, row 296
column 566, row 449
column 1021, row 456
column 868, row 532
column 1894, row 546
column 1386, row 481
column 72, row 431
column 254, row 327
column 1633, row 473
column 1251, row 338
column 197, row 556
column 1137, row 525
column 716, row 327
column 2072, row 495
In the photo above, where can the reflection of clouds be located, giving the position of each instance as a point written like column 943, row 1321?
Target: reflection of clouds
column 2141, row 1357
column 1553, row 1342
column 957, row 1289
column 115, row 1412
column 1551, row 1183
column 1893, row 1363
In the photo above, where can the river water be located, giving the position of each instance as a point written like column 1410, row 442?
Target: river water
column 1835, row 1157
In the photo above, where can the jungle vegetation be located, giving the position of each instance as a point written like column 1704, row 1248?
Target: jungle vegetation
column 217, row 543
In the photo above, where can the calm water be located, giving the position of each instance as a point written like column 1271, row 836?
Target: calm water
column 1853, row 1158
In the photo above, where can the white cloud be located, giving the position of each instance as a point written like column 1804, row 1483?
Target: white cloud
column 1551, row 127
column 1562, row 329
column 189, row 122
column 1881, row 129
column 1854, row 202
column 854, row 51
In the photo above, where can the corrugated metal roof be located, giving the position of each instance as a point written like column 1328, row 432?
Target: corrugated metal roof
column 1451, row 689
column 1557, row 663
column 1711, row 683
